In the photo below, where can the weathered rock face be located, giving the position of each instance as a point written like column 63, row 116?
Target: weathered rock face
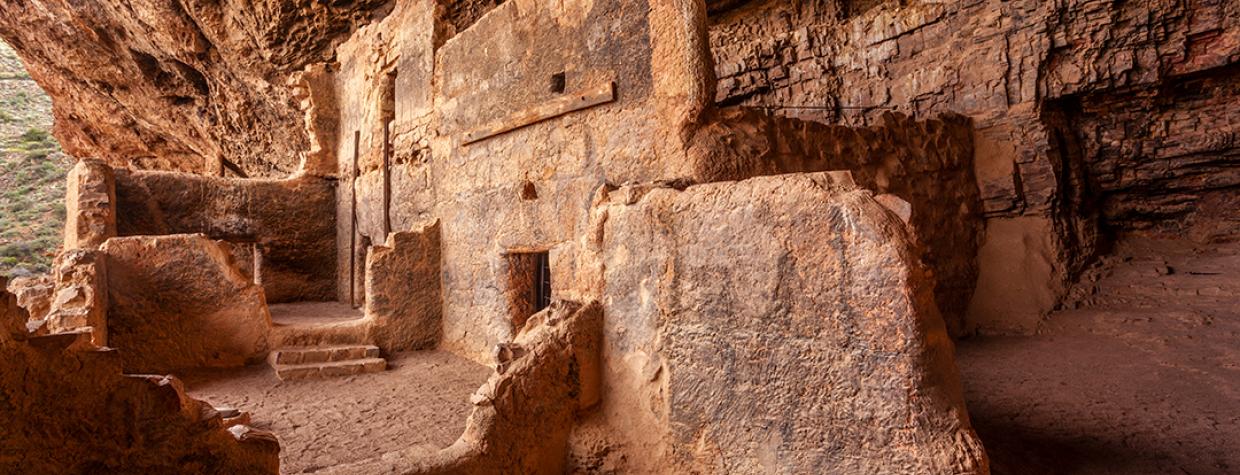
column 178, row 85
column 1164, row 158
column 68, row 409
column 178, row 302
column 778, row 324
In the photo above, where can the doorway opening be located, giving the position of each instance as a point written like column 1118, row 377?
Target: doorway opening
column 529, row 285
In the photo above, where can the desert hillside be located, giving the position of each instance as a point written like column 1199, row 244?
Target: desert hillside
column 32, row 184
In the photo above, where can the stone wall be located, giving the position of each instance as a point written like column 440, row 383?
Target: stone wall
column 1046, row 84
column 179, row 302
column 68, row 409
column 779, row 324
column 383, row 149
column 290, row 221
column 927, row 163
column 80, row 298
column 524, row 190
column 404, row 295
column 500, row 67
column 90, row 205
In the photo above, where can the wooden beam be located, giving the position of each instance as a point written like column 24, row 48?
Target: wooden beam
column 602, row 94
column 233, row 167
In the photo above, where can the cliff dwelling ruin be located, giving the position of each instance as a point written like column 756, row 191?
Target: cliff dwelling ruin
column 629, row 236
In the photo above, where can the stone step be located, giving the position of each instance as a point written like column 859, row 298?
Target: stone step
column 321, row 354
column 330, row 369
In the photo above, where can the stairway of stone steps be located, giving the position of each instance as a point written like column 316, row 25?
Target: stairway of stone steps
column 293, row 363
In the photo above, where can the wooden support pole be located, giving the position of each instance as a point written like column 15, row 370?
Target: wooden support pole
column 357, row 140
column 387, row 180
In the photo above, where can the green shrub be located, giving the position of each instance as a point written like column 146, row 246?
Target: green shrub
column 35, row 136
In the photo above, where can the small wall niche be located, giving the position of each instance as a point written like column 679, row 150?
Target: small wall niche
column 529, row 192
column 528, row 286
column 559, row 83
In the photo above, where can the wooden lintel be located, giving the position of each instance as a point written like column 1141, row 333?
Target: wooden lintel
column 559, row 106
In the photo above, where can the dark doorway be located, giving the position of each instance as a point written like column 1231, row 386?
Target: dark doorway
column 529, row 285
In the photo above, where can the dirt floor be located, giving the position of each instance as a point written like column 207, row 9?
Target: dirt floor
column 423, row 398
column 1142, row 376
column 303, row 313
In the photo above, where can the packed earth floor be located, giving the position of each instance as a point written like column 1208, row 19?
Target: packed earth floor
column 1141, row 376
column 421, row 400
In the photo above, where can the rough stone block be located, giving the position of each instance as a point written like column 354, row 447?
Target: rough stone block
column 81, row 299
column 90, row 205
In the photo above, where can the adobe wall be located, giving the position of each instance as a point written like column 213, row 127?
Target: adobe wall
column 290, row 220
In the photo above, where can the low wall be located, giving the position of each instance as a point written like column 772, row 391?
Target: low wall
column 928, row 163
column 404, row 298
column 178, row 302
column 292, row 222
column 67, row 408
column 779, row 324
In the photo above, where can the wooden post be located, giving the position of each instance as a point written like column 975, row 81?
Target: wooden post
column 257, row 251
column 387, row 180
column 357, row 139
